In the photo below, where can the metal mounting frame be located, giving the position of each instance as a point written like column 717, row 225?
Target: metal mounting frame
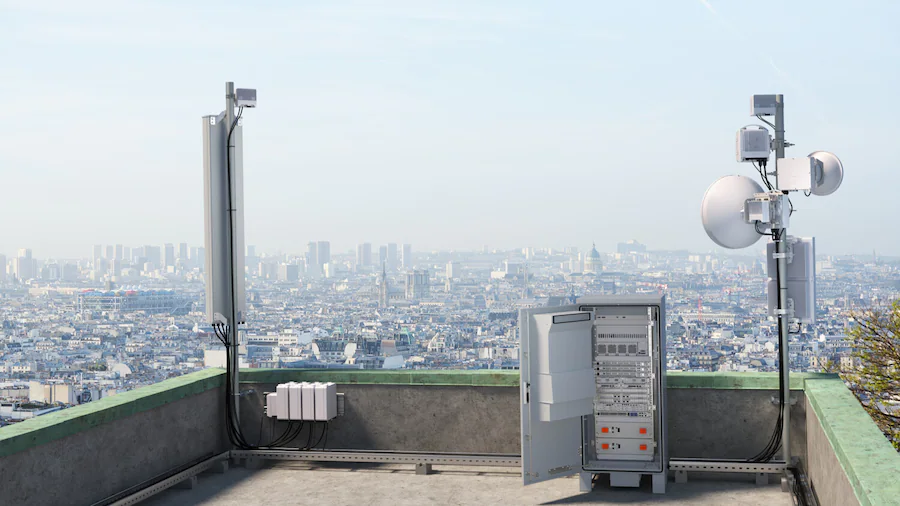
column 171, row 481
column 383, row 457
column 725, row 466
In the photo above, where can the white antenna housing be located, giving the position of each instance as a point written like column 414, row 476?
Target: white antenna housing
column 829, row 175
column 723, row 212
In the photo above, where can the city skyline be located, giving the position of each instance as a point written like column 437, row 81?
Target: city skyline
column 433, row 124
column 353, row 251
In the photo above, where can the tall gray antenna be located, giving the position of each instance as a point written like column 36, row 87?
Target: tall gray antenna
column 223, row 196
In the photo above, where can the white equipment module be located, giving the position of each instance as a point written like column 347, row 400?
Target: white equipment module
column 303, row 401
column 593, row 390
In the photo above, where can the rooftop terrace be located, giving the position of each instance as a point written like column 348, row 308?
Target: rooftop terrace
column 136, row 445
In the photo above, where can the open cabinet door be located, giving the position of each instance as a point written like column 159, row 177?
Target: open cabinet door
column 557, row 389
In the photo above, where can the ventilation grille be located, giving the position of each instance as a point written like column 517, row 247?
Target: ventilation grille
column 619, row 335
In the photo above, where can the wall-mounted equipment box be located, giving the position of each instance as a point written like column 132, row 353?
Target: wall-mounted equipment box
column 593, row 390
column 326, row 401
column 303, row 401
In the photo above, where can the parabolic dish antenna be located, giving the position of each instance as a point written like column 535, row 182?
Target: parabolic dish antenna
column 722, row 212
column 831, row 176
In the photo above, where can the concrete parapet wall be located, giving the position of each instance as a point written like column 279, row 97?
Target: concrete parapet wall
column 719, row 422
column 850, row 460
column 85, row 454
column 120, row 444
column 444, row 419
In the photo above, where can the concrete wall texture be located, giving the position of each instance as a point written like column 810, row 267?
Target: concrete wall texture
column 94, row 464
column 444, row 419
column 119, row 453
column 703, row 423
column 730, row 424
column 829, row 481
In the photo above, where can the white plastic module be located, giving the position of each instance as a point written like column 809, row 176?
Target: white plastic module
column 308, row 398
column 295, row 408
column 753, row 144
column 797, row 174
column 271, row 404
column 326, row 401
column 282, row 411
column 763, row 105
column 593, row 390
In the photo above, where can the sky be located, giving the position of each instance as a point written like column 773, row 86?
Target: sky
column 448, row 125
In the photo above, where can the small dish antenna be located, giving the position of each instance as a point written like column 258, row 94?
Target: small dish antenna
column 830, row 174
column 722, row 212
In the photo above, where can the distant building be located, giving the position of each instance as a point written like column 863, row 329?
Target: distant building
column 406, row 256
column 592, row 262
column 312, row 259
column 153, row 256
column 417, row 285
column 383, row 289
column 288, row 272
column 632, row 246
column 24, row 265
column 127, row 300
column 324, row 249
column 267, row 270
column 382, row 255
column 70, row 272
column 169, row 255
column 52, row 393
column 453, row 270
column 364, row 254
column 393, row 259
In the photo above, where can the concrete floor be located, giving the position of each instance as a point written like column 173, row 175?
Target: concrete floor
column 295, row 483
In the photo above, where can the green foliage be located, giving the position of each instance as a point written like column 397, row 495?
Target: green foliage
column 876, row 378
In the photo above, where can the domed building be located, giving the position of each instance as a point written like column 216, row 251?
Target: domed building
column 592, row 263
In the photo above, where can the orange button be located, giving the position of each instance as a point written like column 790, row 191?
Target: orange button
column 643, row 430
column 604, row 430
column 643, row 447
column 605, row 446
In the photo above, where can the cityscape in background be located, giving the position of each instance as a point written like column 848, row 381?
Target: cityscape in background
column 74, row 331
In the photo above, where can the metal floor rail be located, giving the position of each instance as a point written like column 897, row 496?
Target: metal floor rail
column 382, row 457
column 423, row 462
column 183, row 476
column 725, row 466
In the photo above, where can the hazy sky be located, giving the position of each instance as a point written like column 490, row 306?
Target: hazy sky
column 444, row 124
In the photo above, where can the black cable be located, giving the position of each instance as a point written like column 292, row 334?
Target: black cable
column 312, row 428
column 761, row 169
column 764, row 121
column 231, row 405
column 771, row 449
column 262, row 416
column 222, row 338
column 324, row 431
